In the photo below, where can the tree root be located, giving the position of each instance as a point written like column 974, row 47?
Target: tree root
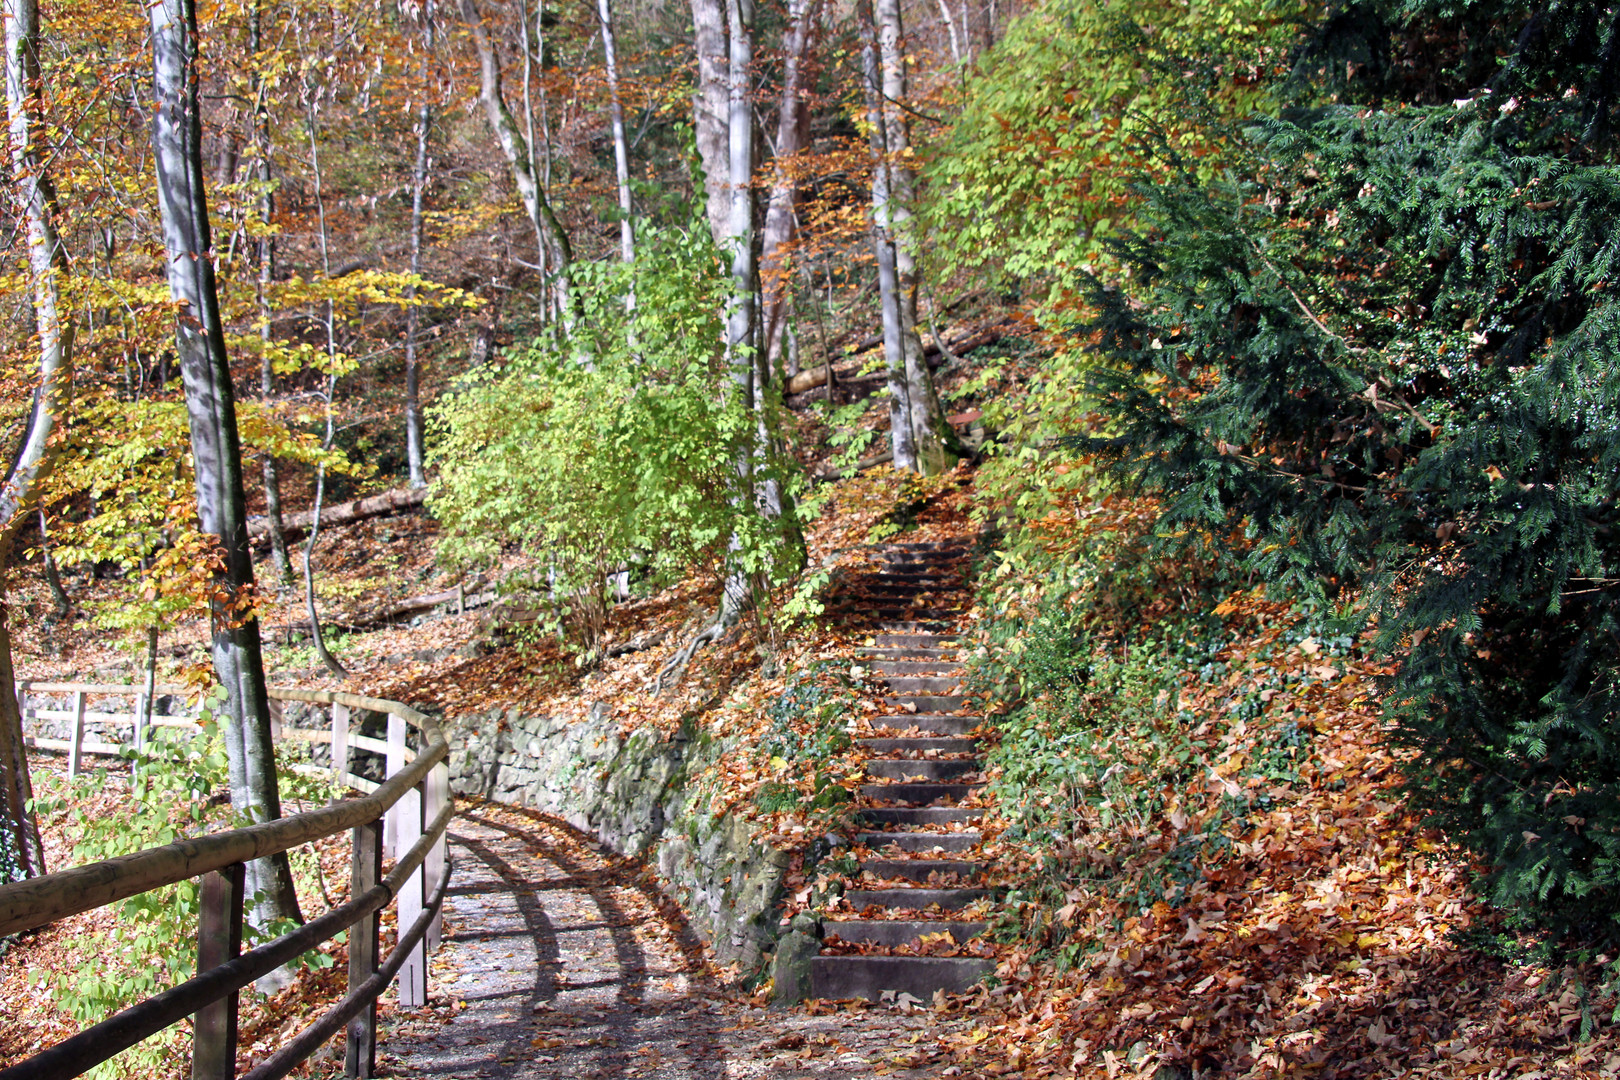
column 683, row 655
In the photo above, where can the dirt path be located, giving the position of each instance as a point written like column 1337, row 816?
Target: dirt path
column 562, row 961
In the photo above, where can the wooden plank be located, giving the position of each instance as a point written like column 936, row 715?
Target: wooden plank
column 40, row 743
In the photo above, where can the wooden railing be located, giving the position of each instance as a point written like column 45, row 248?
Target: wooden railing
column 406, row 814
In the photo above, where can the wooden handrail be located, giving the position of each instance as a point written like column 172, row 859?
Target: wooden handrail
column 414, row 787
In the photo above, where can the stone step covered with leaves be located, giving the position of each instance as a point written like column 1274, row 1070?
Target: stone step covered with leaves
column 899, row 928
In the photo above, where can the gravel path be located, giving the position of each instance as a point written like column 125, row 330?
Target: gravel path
column 560, row 960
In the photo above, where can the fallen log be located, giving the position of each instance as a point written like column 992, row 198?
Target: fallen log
column 811, row 378
column 463, row 597
column 389, row 502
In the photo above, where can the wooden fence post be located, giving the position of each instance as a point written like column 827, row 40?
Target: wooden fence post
column 340, row 741
column 438, row 792
column 365, row 870
column 412, row 976
column 76, row 746
column 219, row 940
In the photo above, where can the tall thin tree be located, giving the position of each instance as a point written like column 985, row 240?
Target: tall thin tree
column 621, row 144
column 413, row 314
column 215, row 443
column 781, row 210
column 264, row 255
column 47, row 263
column 549, row 234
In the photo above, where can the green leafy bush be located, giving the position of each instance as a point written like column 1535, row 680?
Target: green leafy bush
column 623, row 447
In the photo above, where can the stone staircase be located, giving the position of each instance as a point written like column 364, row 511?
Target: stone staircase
column 918, row 839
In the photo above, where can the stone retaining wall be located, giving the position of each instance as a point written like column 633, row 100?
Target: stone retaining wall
column 632, row 793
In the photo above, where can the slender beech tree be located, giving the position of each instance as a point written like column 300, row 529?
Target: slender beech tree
column 47, row 263
column 215, row 444
column 621, row 145
column 724, row 36
column 557, row 252
column 921, row 439
column 781, row 210
column 413, row 313
column 264, row 256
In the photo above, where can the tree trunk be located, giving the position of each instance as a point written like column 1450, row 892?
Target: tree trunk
column 265, row 257
column 549, row 234
column 215, row 444
column 327, row 659
column 710, row 107
column 47, row 262
column 621, row 147
column 930, row 435
column 413, row 314
column 792, row 132
column 902, row 443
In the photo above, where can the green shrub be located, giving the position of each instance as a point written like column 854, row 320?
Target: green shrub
column 621, row 448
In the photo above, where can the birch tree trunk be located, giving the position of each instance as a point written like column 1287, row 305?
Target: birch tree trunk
column 930, row 434
column 710, row 108
column 548, row 231
column 621, row 145
column 215, row 445
column 413, row 314
column 47, row 262
column 265, row 257
column 792, row 132
column 317, row 637
column 901, row 441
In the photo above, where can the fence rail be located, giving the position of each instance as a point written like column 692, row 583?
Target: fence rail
column 406, row 814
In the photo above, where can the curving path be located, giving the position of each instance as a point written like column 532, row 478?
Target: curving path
column 561, row 960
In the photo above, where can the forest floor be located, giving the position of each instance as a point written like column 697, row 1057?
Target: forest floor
column 1333, row 937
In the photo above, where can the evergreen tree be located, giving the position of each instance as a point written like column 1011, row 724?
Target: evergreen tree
column 1384, row 345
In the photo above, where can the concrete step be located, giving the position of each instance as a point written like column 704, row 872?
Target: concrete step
column 916, row 667
column 935, row 723
column 897, row 624
column 926, row 816
column 953, row 544
column 918, row 794
column 915, row 899
column 869, row 976
column 920, row 841
column 944, row 745
column 924, row 684
column 921, row 577
column 916, row 641
column 924, row 559
column 922, row 768
column 893, row 932
column 927, row 703
column 913, row 612
column 919, row 869
column 918, row 655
